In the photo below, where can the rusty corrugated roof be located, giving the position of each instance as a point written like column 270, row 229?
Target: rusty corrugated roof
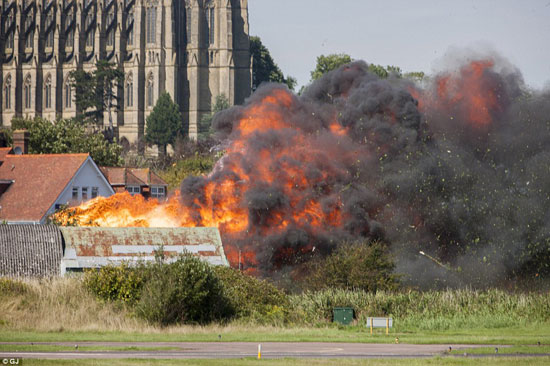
column 97, row 246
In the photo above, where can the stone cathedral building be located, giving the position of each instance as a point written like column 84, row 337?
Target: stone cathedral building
column 194, row 49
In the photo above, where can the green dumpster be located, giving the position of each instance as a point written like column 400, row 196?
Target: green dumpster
column 342, row 315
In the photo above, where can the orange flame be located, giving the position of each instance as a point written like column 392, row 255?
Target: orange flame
column 468, row 93
column 222, row 202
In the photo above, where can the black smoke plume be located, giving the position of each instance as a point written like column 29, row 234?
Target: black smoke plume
column 457, row 168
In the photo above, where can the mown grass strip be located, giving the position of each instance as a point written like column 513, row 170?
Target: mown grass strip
column 445, row 361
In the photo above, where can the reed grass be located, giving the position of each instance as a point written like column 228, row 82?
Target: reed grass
column 63, row 304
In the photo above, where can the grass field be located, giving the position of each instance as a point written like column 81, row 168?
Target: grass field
column 451, row 361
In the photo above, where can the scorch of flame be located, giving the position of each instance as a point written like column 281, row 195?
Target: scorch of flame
column 468, row 92
column 299, row 169
column 221, row 201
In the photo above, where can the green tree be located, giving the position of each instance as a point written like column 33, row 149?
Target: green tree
column 329, row 63
column 358, row 265
column 95, row 91
column 264, row 69
column 68, row 136
column 164, row 123
column 206, row 121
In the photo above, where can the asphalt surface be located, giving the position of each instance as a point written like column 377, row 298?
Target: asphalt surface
column 241, row 350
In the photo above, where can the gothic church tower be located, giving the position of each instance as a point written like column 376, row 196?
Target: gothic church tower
column 193, row 49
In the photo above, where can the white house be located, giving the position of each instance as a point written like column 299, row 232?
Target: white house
column 33, row 186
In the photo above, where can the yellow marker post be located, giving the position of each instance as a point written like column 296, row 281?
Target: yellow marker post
column 259, row 351
column 371, row 325
column 387, row 326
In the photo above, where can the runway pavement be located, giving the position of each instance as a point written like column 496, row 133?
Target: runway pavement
column 239, row 350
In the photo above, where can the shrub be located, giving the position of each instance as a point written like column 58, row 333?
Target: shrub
column 185, row 291
column 252, row 298
column 360, row 265
column 9, row 287
column 117, row 283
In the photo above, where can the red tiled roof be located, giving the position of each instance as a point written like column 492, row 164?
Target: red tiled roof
column 132, row 176
column 38, row 180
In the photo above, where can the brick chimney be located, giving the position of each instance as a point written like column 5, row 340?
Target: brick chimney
column 20, row 142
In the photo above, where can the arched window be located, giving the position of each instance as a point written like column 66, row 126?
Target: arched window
column 130, row 29
column 210, row 15
column 150, row 91
column 7, row 92
column 151, row 24
column 27, row 92
column 48, row 92
column 111, row 34
column 29, row 30
column 68, row 91
column 49, row 29
column 129, row 91
column 8, row 24
column 188, row 24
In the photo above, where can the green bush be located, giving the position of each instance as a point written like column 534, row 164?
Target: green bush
column 252, row 298
column 194, row 165
column 361, row 266
column 10, row 287
column 185, row 291
column 122, row 283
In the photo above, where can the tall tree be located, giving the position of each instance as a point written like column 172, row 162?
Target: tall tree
column 329, row 63
column 164, row 124
column 206, row 121
column 264, row 69
column 95, row 91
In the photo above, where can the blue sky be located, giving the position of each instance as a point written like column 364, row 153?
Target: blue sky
column 415, row 35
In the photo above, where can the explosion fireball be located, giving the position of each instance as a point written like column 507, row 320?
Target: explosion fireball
column 423, row 168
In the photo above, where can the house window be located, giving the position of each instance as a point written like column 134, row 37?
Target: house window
column 150, row 91
column 84, row 193
column 27, row 92
column 95, row 191
column 157, row 192
column 133, row 190
column 48, row 92
column 151, row 24
column 75, row 193
column 68, row 94
column 7, row 93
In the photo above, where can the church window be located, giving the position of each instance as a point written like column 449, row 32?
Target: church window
column 111, row 34
column 50, row 31
column 7, row 93
column 27, row 92
column 90, row 30
column 129, row 91
column 48, row 92
column 188, row 24
column 150, row 91
column 68, row 94
column 130, row 29
column 29, row 31
column 211, row 24
column 151, row 24
column 8, row 23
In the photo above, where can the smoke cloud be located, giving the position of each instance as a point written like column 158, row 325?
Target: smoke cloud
column 457, row 168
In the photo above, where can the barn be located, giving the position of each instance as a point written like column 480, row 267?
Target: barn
column 48, row 250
